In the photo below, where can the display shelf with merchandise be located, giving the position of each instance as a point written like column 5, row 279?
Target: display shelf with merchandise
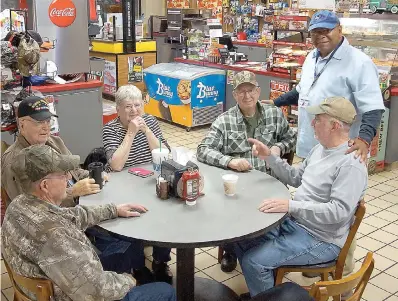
column 371, row 32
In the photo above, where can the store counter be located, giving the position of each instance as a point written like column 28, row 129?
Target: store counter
column 392, row 134
column 123, row 68
column 256, row 52
column 263, row 77
column 79, row 109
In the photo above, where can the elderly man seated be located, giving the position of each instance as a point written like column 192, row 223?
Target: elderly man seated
column 226, row 144
column 34, row 118
column 42, row 240
column 129, row 140
column 330, row 185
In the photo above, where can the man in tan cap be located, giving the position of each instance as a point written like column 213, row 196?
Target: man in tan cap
column 226, row 144
column 42, row 240
column 329, row 186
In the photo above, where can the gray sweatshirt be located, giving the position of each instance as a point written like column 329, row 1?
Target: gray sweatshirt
column 330, row 185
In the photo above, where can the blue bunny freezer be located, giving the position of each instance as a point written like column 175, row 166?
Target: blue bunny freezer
column 185, row 94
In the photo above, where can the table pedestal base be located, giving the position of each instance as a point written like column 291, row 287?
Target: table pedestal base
column 211, row 290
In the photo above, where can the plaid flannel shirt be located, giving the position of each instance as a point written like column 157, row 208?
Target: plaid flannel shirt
column 227, row 138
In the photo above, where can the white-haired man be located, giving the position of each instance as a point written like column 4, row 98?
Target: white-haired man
column 330, row 185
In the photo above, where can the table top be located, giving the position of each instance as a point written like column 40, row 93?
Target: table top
column 215, row 219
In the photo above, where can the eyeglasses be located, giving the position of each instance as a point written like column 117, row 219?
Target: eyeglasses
column 136, row 106
column 65, row 177
column 41, row 122
column 321, row 31
column 251, row 91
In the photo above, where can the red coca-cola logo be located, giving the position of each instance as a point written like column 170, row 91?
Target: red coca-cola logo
column 62, row 12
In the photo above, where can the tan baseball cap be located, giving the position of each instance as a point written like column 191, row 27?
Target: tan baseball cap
column 244, row 77
column 337, row 107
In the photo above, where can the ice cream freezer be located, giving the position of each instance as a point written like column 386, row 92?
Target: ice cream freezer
column 184, row 94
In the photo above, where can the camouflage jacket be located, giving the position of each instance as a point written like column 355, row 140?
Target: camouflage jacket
column 13, row 188
column 227, row 138
column 42, row 240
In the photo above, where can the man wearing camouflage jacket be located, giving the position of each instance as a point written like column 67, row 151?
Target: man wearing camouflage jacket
column 226, row 144
column 42, row 240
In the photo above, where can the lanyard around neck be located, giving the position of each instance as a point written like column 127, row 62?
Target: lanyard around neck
column 318, row 75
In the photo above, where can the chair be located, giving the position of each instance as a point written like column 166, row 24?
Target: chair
column 322, row 290
column 289, row 158
column 42, row 288
column 5, row 200
column 334, row 267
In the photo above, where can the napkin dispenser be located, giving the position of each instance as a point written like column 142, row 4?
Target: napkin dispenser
column 172, row 172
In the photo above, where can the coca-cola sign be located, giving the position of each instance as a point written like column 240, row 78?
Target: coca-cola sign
column 62, row 12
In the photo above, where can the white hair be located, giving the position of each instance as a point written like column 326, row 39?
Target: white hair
column 345, row 126
column 127, row 92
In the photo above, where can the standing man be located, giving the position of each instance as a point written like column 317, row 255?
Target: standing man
column 335, row 68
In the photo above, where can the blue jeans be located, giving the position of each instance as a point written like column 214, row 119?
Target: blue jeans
column 121, row 255
column 287, row 244
column 158, row 291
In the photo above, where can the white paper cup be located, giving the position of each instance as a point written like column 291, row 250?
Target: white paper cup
column 230, row 181
column 158, row 157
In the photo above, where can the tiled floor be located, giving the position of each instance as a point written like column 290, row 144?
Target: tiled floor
column 378, row 233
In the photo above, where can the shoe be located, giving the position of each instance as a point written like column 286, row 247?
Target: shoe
column 143, row 276
column 162, row 272
column 311, row 274
column 228, row 262
column 245, row 297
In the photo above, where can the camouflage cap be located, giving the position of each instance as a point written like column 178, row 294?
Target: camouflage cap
column 28, row 57
column 337, row 107
column 244, row 77
column 37, row 161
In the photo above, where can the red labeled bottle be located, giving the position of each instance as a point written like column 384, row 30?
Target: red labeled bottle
column 190, row 186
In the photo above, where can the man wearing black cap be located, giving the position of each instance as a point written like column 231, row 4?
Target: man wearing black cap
column 34, row 118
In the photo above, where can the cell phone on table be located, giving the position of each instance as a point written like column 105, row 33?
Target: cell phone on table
column 141, row 172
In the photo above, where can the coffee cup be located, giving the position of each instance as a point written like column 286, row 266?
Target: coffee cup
column 158, row 156
column 230, row 181
column 95, row 170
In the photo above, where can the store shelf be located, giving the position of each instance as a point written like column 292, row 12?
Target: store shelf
column 253, row 44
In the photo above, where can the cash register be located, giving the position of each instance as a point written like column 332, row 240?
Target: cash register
column 230, row 51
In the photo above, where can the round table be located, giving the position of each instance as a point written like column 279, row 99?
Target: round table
column 216, row 219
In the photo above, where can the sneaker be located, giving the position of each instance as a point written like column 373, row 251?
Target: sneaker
column 143, row 276
column 162, row 272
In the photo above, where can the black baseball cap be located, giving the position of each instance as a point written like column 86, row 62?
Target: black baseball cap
column 35, row 107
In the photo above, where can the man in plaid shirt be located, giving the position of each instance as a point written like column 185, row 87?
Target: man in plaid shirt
column 226, row 144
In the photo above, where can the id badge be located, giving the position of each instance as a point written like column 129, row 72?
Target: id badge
column 303, row 102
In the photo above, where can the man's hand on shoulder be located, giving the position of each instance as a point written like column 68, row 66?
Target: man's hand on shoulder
column 239, row 165
column 259, row 149
column 361, row 149
column 274, row 206
column 130, row 210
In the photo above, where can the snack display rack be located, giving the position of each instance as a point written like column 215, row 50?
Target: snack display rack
column 288, row 57
column 378, row 38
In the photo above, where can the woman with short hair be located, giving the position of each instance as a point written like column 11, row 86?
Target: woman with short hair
column 129, row 140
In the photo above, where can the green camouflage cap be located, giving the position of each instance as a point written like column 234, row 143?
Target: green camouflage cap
column 244, row 77
column 37, row 161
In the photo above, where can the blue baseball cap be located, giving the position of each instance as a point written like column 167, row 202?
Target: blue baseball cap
column 324, row 19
